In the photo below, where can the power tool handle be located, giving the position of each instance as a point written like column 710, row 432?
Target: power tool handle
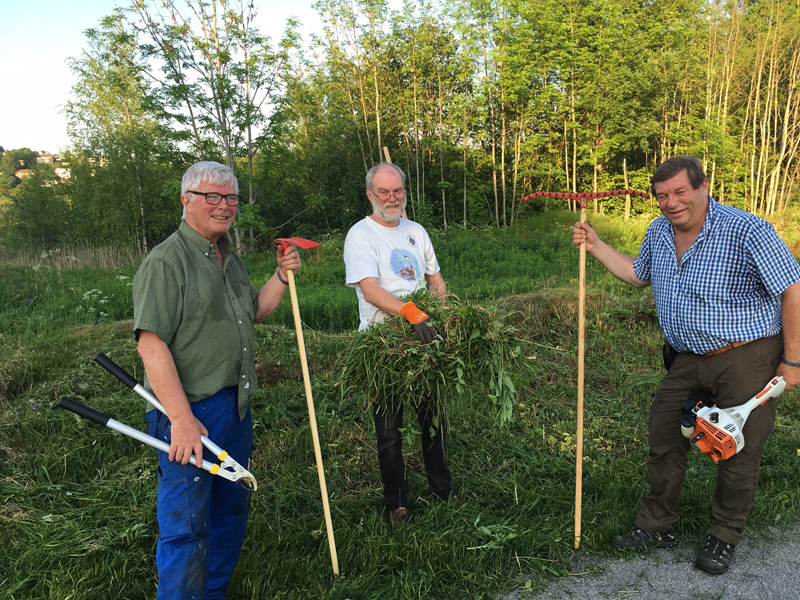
column 773, row 389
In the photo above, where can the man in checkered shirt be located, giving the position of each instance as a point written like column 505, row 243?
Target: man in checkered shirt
column 728, row 301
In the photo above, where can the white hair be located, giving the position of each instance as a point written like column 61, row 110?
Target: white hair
column 207, row 172
column 372, row 172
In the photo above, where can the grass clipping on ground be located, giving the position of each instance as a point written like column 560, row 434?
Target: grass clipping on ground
column 480, row 356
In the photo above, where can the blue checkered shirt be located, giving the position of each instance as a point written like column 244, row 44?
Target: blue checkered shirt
column 727, row 286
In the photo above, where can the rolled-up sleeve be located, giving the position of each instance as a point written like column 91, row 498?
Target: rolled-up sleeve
column 157, row 299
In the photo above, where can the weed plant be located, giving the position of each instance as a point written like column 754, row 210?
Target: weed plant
column 77, row 500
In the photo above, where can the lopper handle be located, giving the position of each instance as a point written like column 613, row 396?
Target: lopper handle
column 117, row 371
column 126, row 378
column 83, row 411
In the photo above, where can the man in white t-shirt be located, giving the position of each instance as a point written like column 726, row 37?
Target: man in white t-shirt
column 388, row 257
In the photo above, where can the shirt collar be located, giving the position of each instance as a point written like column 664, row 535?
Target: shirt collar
column 710, row 215
column 205, row 245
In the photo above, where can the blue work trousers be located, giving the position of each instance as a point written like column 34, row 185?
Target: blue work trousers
column 202, row 517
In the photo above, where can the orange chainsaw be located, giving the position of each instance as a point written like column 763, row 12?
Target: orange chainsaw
column 719, row 430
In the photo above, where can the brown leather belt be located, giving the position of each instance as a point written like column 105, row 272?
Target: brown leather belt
column 730, row 346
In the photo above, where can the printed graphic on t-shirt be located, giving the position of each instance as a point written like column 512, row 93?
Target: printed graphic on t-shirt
column 404, row 265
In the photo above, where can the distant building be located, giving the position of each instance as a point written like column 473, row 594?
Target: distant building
column 23, row 173
column 44, row 158
column 63, row 174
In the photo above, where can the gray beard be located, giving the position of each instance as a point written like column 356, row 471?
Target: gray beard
column 383, row 216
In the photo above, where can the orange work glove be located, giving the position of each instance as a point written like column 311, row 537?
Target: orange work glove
column 422, row 322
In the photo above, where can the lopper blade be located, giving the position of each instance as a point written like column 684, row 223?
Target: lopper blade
column 237, row 472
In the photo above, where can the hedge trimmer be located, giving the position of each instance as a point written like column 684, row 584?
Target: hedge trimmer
column 227, row 463
column 581, row 198
column 717, row 432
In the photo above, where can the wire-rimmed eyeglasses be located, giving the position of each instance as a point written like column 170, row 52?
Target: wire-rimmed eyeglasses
column 384, row 195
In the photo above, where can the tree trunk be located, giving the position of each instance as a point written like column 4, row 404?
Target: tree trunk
column 627, row 196
column 494, row 143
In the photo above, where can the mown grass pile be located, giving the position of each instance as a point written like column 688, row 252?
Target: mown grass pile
column 474, row 349
column 77, row 501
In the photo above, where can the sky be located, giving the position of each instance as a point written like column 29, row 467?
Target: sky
column 36, row 38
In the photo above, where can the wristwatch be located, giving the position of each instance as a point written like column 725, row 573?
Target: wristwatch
column 789, row 363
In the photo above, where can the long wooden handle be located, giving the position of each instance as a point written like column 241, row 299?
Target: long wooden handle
column 313, row 418
column 389, row 160
column 581, row 343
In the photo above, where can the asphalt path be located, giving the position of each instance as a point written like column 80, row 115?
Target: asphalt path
column 766, row 566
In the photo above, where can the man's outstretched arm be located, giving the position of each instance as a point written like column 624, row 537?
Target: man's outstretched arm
column 620, row 265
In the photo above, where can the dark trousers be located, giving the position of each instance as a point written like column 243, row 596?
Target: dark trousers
column 201, row 517
column 731, row 379
column 390, row 453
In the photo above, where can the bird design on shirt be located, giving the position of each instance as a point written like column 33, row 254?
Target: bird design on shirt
column 408, row 272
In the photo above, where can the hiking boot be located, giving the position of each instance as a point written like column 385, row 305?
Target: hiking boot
column 715, row 556
column 637, row 539
column 398, row 516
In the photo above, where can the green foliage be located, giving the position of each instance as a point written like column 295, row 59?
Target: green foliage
column 479, row 102
column 40, row 301
column 247, row 219
column 12, row 161
column 478, row 352
column 38, row 215
column 135, row 173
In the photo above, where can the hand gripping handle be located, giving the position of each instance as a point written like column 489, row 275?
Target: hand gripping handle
column 101, row 419
column 235, row 470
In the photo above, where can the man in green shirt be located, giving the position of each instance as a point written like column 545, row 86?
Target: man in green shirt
column 194, row 309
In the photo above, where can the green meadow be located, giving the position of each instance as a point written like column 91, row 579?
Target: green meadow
column 77, row 501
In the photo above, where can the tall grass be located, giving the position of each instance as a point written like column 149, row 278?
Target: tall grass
column 76, row 256
column 77, row 501
column 43, row 301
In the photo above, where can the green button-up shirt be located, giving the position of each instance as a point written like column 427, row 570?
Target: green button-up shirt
column 204, row 312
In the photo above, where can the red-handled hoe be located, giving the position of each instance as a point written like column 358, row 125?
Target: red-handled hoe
column 306, row 244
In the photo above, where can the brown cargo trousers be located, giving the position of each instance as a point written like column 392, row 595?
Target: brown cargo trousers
column 731, row 378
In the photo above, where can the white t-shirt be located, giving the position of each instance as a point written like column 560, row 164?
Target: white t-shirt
column 399, row 257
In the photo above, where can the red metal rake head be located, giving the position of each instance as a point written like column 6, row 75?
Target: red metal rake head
column 584, row 197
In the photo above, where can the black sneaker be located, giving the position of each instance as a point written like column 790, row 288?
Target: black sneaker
column 715, row 556
column 637, row 538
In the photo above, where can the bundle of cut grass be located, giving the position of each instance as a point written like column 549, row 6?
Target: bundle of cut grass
column 480, row 353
